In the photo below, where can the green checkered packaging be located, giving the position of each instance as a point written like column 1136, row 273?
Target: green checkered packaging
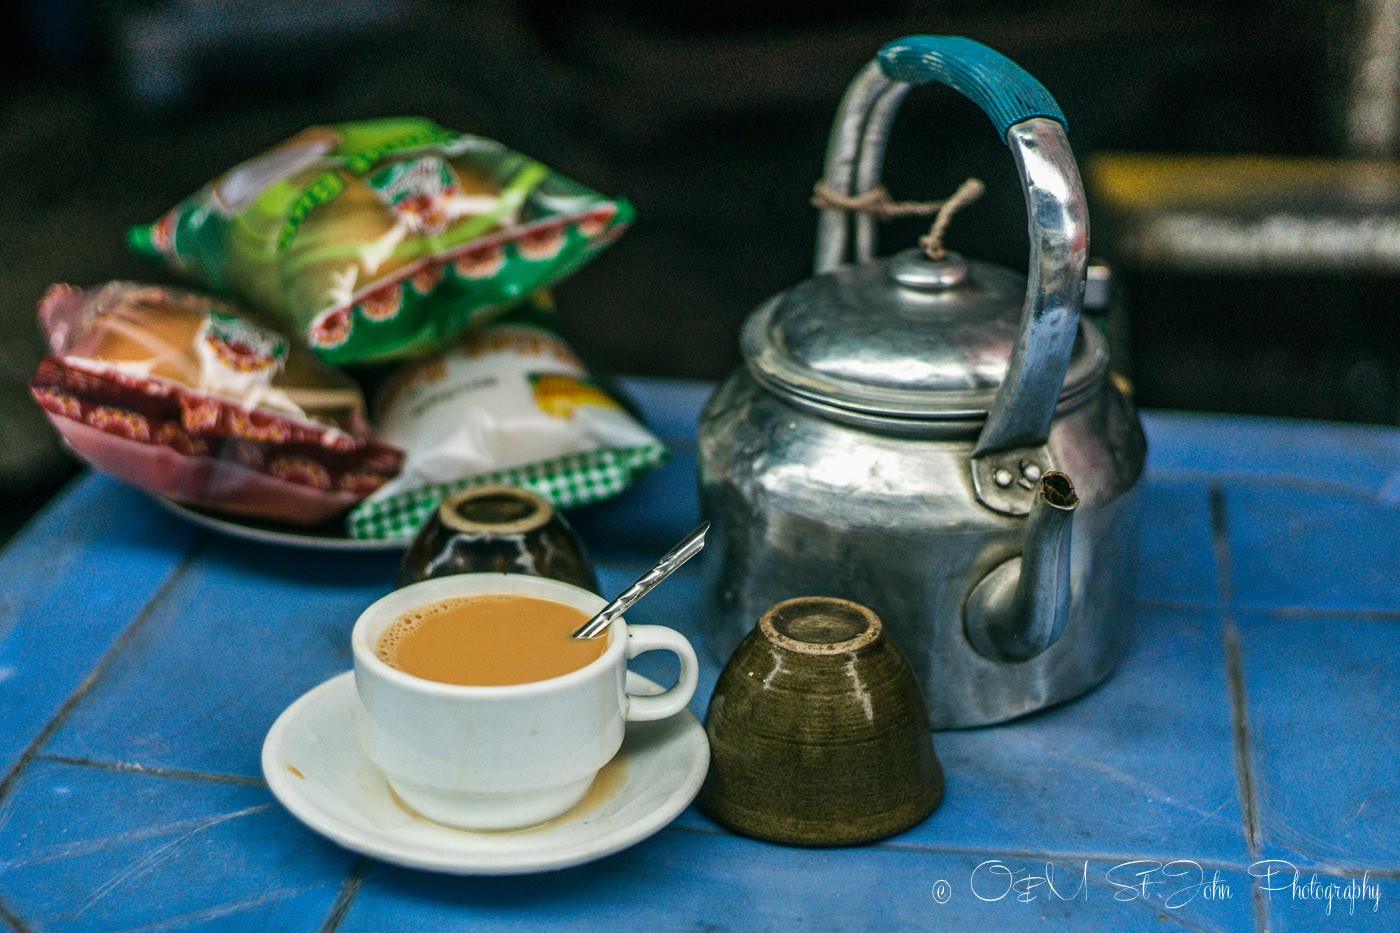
column 568, row 482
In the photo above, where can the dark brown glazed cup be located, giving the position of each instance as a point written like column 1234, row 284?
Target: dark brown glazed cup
column 502, row 529
column 818, row 731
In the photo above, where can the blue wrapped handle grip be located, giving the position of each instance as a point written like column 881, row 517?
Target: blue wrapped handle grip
column 1004, row 90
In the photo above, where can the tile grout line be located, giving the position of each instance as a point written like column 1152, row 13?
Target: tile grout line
column 1280, row 612
column 129, row 767
column 9, row 919
column 1187, row 605
column 1239, row 709
column 108, row 658
column 349, row 888
column 1244, row 770
column 1055, row 855
column 1290, row 613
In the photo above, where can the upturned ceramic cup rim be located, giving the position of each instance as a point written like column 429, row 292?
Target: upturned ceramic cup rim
column 485, row 583
column 872, row 632
column 542, row 515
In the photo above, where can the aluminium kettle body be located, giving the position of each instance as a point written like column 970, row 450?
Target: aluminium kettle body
column 936, row 439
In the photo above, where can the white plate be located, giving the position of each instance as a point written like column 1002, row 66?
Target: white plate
column 250, row 530
column 314, row 765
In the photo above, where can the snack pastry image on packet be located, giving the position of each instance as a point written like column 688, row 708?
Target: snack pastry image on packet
column 383, row 239
column 511, row 404
column 188, row 398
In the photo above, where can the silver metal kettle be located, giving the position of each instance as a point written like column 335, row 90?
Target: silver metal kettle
column 937, row 440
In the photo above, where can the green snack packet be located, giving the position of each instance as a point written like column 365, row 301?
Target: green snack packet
column 384, row 239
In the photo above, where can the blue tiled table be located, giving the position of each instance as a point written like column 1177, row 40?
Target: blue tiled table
column 1240, row 771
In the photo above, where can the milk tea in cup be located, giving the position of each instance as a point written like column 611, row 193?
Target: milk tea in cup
column 488, row 641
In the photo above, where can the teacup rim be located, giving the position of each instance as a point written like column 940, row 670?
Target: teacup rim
column 476, row 584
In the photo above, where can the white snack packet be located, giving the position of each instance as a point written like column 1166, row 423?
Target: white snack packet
column 512, row 404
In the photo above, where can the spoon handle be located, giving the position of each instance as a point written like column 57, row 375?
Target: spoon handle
column 689, row 546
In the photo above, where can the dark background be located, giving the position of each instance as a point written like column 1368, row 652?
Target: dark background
column 711, row 116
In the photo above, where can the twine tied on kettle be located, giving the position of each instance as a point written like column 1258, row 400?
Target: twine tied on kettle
column 877, row 202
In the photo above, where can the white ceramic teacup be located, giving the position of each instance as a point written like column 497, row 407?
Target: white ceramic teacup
column 511, row 756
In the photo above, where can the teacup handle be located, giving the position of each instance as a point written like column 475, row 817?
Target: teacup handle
column 642, row 638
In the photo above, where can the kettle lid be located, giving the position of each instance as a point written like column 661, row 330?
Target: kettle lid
column 902, row 338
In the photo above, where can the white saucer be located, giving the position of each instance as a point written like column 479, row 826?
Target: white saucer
column 252, row 530
column 314, row 765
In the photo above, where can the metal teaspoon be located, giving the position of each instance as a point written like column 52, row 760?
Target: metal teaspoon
column 689, row 546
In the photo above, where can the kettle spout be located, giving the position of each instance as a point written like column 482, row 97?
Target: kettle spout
column 1022, row 605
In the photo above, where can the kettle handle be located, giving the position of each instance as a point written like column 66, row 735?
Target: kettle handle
column 1032, row 126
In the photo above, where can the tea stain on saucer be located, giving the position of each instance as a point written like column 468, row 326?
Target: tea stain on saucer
column 608, row 782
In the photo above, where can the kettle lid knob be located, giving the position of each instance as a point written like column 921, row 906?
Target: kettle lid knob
column 912, row 268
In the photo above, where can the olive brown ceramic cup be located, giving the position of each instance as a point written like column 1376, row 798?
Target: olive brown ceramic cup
column 497, row 529
column 818, row 731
